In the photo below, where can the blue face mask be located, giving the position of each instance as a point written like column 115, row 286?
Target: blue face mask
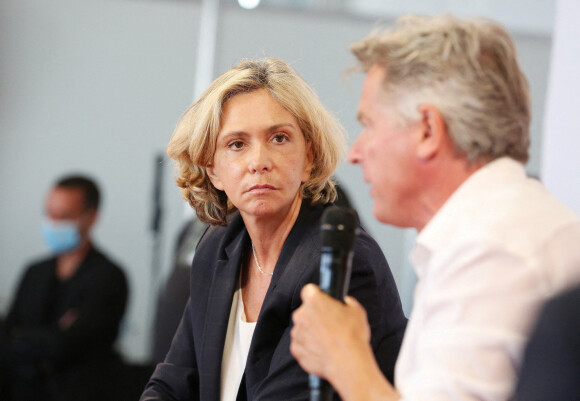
column 60, row 236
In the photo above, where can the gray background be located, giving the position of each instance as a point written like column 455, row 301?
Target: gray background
column 97, row 86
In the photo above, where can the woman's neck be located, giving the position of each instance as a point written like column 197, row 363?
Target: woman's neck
column 268, row 234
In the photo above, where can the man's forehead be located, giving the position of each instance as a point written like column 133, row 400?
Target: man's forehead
column 375, row 83
column 70, row 195
column 377, row 76
column 374, row 89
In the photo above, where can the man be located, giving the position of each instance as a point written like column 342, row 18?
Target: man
column 57, row 341
column 445, row 112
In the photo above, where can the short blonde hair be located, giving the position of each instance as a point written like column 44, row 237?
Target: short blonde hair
column 193, row 143
column 467, row 69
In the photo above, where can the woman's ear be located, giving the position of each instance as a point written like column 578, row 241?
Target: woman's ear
column 433, row 135
column 214, row 178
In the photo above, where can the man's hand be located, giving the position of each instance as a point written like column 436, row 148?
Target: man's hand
column 324, row 329
column 332, row 340
column 67, row 320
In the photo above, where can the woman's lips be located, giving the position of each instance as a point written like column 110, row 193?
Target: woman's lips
column 261, row 188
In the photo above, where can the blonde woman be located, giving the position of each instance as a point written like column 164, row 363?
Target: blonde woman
column 255, row 155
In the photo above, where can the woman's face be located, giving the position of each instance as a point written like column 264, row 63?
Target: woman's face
column 261, row 155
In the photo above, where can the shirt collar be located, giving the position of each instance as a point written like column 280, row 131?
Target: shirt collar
column 461, row 205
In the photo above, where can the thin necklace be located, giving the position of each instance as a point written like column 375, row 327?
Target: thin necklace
column 257, row 264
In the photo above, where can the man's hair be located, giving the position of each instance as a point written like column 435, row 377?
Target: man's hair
column 193, row 143
column 467, row 69
column 87, row 186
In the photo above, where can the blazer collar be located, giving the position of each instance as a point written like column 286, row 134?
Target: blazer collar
column 224, row 283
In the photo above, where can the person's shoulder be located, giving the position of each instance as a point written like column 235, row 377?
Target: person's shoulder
column 41, row 264
column 37, row 271
column 310, row 217
column 531, row 199
column 568, row 300
column 521, row 217
column 216, row 238
column 104, row 262
column 366, row 244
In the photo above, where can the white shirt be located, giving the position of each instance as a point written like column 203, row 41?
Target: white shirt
column 486, row 262
column 236, row 349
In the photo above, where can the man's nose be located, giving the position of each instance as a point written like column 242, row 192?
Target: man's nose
column 354, row 153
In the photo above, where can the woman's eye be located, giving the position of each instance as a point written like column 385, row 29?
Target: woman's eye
column 280, row 138
column 236, row 145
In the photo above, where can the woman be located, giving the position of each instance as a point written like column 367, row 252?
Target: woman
column 255, row 155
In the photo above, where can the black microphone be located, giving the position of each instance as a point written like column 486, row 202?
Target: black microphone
column 338, row 230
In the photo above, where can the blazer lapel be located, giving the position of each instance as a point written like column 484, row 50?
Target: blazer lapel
column 275, row 313
column 223, row 285
column 298, row 236
column 289, row 265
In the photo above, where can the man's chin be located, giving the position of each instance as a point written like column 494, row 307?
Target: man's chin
column 384, row 216
column 379, row 214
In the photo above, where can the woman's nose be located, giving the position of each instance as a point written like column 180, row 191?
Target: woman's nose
column 260, row 159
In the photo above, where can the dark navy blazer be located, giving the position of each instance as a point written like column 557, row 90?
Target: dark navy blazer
column 551, row 364
column 192, row 368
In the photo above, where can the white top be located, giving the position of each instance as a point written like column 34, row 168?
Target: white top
column 486, row 262
column 236, row 348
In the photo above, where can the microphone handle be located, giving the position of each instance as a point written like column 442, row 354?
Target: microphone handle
column 335, row 269
column 320, row 389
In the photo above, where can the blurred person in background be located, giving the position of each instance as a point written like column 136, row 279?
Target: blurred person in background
column 57, row 339
column 255, row 157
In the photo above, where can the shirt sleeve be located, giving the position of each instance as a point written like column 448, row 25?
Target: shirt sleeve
column 473, row 309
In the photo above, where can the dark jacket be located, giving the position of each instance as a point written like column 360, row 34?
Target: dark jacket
column 551, row 365
column 43, row 361
column 192, row 368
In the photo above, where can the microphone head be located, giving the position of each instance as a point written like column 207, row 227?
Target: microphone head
column 339, row 227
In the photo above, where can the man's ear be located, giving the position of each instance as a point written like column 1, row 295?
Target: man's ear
column 88, row 220
column 93, row 216
column 433, row 132
column 213, row 177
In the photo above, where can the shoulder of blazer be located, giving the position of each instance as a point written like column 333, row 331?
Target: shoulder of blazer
column 214, row 241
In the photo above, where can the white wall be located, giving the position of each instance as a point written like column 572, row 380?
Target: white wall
column 97, row 86
column 561, row 164
column 522, row 15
